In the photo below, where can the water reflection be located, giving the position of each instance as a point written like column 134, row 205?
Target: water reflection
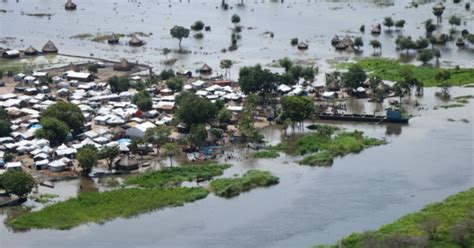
column 393, row 129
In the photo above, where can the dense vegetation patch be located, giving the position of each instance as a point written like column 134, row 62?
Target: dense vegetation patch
column 449, row 223
column 389, row 69
column 230, row 187
column 325, row 144
column 270, row 153
column 100, row 207
column 174, row 176
column 457, row 102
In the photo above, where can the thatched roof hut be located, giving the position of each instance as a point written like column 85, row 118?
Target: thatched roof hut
column 333, row 86
column 126, row 163
column 377, row 29
column 441, row 38
column 134, row 41
column 335, row 40
column 205, row 69
column 302, row 46
column 30, row 51
column 460, row 42
column 124, row 65
column 347, row 41
column 49, row 47
column 340, row 46
column 70, row 5
column 438, row 9
column 73, row 67
column 113, row 39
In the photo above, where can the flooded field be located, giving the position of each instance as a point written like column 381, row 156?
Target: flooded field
column 424, row 162
column 314, row 22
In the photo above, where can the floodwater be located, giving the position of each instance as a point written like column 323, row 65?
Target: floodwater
column 425, row 161
column 312, row 21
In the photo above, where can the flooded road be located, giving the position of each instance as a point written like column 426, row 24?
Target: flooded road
column 424, row 162
column 314, row 22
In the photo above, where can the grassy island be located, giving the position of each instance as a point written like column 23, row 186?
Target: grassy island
column 267, row 153
column 170, row 177
column 445, row 224
column 389, row 69
column 322, row 146
column 100, row 207
column 230, row 187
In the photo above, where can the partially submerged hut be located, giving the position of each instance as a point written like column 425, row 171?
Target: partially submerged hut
column 134, row 41
column 70, row 5
column 440, row 38
column 302, row 46
column 30, row 51
column 438, row 9
column 333, row 86
column 126, row 163
column 113, row 39
column 347, row 41
column 377, row 29
column 340, row 46
column 335, row 40
column 460, row 42
column 73, row 67
column 124, row 65
column 205, row 69
column 49, row 47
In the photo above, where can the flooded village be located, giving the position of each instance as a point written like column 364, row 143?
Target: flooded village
column 236, row 123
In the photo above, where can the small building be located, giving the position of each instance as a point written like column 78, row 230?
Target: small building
column 79, row 76
column 57, row 166
column 138, row 131
column 113, row 39
column 302, row 46
column 11, row 54
column 49, row 47
column 126, row 163
column 30, row 51
column 124, row 65
column 377, row 29
column 13, row 166
column 205, row 69
column 335, row 40
column 70, row 5
column 134, row 41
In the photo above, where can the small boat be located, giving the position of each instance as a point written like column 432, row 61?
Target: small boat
column 191, row 157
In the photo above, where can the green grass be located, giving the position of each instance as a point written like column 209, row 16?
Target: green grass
column 266, row 154
column 322, row 146
column 457, row 102
column 45, row 198
column 389, row 69
column 230, row 187
column 104, row 206
column 451, row 211
column 170, row 177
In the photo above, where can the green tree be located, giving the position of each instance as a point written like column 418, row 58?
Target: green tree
column 297, row 108
column 358, row 42
column 224, row 116
column 87, row 157
column 175, row 84
column 143, row 101
column 109, row 153
column 197, row 135
column 388, row 22
column 430, row 27
column 437, row 55
column 400, row 24
column 197, row 26
column 158, row 135
column 93, row 68
column 425, row 55
column 422, row 43
column 53, row 130
column 285, row 63
column 254, row 79
column 17, row 182
column 235, row 19
column 454, row 21
column 66, row 112
column 171, row 149
column 167, row 74
column 405, row 43
column 470, row 38
column 354, row 77
column 5, row 128
column 179, row 33
column 375, row 44
column 443, row 77
column 193, row 110
column 226, row 64
column 119, row 84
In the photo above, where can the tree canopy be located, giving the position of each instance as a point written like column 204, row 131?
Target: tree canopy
column 53, row 130
column 235, row 18
column 17, row 182
column 143, row 101
column 193, row 110
column 297, row 108
column 157, row 135
column 66, row 112
column 388, row 22
column 109, row 153
column 197, row 135
column 87, row 157
column 119, row 84
column 425, row 55
column 254, row 79
column 175, row 84
column 179, row 33
column 197, row 25
column 354, row 77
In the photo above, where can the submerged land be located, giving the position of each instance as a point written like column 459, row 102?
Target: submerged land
column 270, row 124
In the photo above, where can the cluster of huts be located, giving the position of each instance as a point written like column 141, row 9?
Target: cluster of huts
column 49, row 47
column 344, row 44
column 112, row 118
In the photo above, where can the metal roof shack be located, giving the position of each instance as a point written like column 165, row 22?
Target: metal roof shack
column 79, row 76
